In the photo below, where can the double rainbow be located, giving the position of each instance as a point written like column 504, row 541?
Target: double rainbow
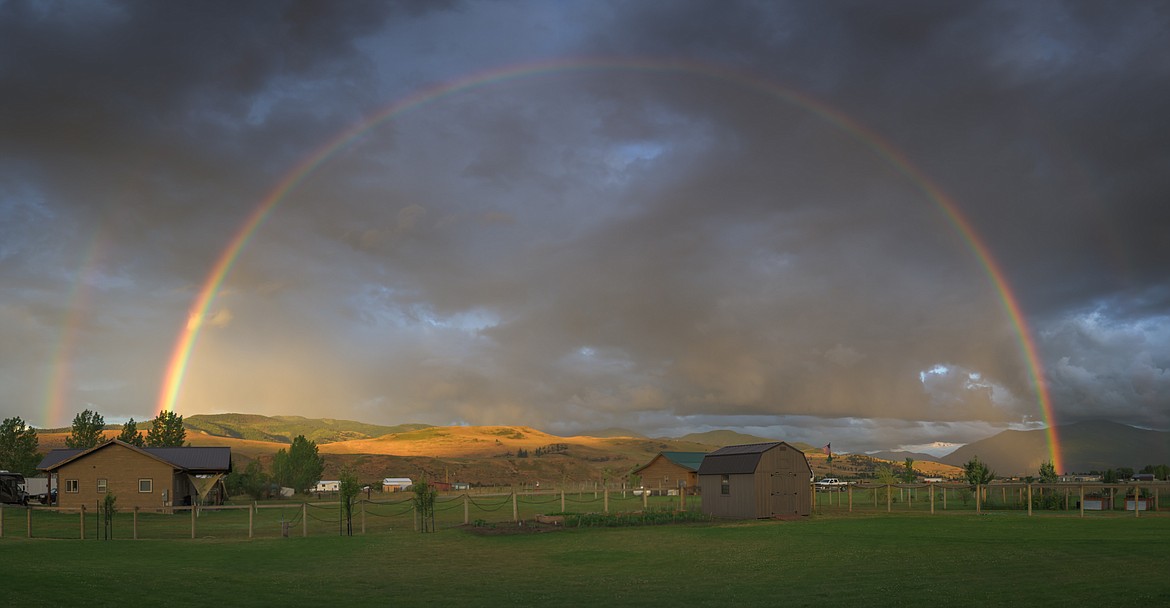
column 181, row 353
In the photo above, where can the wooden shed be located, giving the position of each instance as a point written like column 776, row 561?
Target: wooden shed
column 756, row 481
column 672, row 471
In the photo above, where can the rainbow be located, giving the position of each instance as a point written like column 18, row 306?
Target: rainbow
column 181, row 352
column 60, row 381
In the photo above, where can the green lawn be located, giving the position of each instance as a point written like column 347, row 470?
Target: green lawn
column 1003, row 558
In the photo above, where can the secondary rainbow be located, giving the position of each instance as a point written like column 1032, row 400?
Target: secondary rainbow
column 184, row 345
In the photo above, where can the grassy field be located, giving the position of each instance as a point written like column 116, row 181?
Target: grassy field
column 1003, row 558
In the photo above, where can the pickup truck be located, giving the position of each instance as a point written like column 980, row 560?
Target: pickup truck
column 830, row 484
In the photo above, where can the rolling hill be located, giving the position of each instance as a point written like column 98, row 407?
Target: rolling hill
column 486, row 455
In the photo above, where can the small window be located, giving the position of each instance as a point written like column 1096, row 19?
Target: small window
column 725, row 485
column 70, row 486
column 145, row 486
column 101, row 486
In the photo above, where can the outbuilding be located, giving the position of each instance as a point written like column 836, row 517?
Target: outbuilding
column 396, row 484
column 672, row 471
column 756, row 481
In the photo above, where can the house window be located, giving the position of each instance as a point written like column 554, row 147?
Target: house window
column 70, row 486
column 145, row 486
column 725, row 485
column 101, row 486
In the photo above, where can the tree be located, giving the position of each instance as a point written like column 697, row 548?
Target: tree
column 977, row 473
column 300, row 467
column 166, row 431
column 1048, row 472
column 18, row 447
column 1159, row 471
column 884, row 474
column 349, row 489
column 130, row 434
column 424, row 504
column 908, row 471
column 86, row 431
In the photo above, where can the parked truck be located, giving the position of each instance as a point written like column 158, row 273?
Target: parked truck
column 830, row 484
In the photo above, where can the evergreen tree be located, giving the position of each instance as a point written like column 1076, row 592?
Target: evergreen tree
column 1048, row 472
column 86, row 431
column 18, row 447
column 130, row 434
column 166, row 431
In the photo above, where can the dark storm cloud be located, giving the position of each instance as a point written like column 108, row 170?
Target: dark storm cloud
column 590, row 248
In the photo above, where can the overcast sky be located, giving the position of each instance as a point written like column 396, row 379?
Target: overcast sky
column 684, row 216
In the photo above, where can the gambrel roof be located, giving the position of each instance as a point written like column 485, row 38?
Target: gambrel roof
column 736, row 459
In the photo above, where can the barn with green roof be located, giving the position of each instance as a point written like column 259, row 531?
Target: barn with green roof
column 672, row 471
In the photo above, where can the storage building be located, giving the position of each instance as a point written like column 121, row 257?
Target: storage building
column 756, row 481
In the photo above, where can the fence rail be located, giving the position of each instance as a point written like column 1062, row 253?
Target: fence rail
column 959, row 497
column 320, row 517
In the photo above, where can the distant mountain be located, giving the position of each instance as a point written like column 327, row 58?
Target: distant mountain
column 902, row 456
column 282, row 429
column 723, row 438
column 615, row 432
column 1085, row 446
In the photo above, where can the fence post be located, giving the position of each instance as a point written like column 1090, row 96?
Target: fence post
column 82, row 513
column 978, row 499
column 850, row 490
column 889, row 500
column 563, row 498
column 515, row 507
column 930, row 488
column 1030, row 499
column 467, row 509
column 605, row 499
column 304, row 520
column 645, row 499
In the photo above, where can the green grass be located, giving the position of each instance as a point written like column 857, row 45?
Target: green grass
column 1003, row 558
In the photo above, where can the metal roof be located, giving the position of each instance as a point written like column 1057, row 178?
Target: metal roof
column 735, row 459
column 686, row 460
column 190, row 459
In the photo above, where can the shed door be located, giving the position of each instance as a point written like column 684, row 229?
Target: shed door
column 784, row 500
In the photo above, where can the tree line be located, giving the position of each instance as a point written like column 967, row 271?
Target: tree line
column 19, row 442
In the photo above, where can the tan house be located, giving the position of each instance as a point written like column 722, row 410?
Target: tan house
column 756, row 481
column 672, row 471
column 156, row 479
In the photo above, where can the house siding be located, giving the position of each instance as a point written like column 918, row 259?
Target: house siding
column 662, row 474
column 121, row 467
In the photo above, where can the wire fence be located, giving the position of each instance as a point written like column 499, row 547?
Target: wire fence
column 1079, row 499
column 316, row 517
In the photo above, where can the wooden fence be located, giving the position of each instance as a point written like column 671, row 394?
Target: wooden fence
column 952, row 497
column 319, row 517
